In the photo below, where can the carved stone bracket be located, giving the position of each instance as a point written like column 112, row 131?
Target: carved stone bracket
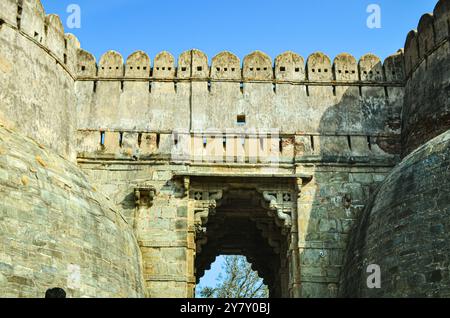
column 280, row 205
column 205, row 204
column 144, row 196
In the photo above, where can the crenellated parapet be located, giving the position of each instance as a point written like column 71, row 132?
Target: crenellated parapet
column 432, row 32
column 426, row 110
column 47, row 31
column 288, row 67
column 37, row 82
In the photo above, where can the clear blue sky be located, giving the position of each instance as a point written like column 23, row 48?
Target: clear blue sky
column 242, row 26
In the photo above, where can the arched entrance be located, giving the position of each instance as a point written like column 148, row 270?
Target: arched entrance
column 251, row 217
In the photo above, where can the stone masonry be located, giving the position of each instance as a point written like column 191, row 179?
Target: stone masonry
column 126, row 178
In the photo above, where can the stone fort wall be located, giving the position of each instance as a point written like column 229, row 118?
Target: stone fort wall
column 426, row 111
column 346, row 123
column 318, row 100
column 404, row 228
column 37, row 63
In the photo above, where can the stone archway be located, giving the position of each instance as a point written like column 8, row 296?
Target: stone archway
column 239, row 225
column 254, row 217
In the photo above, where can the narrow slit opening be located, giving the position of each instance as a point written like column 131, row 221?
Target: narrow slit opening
column 102, row 138
column 369, row 142
column 120, row 139
column 139, row 139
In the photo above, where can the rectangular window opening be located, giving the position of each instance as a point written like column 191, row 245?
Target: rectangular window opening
column 241, row 120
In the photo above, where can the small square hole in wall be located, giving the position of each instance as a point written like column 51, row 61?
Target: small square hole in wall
column 282, row 69
column 183, row 69
column 241, row 120
column 297, row 69
column 83, row 68
column 233, row 69
column 199, row 69
column 225, row 69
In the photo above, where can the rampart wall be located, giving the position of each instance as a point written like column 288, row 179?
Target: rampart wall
column 37, row 65
column 426, row 111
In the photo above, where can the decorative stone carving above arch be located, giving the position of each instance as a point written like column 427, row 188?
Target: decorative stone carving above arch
column 205, row 205
column 280, row 205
